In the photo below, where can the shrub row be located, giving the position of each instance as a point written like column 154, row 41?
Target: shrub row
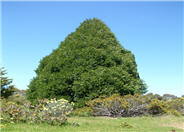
column 135, row 105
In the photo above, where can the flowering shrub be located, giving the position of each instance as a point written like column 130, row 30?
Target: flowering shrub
column 135, row 105
column 117, row 105
column 110, row 106
column 157, row 107
column 55, row 111
column 58, row 107
column 51, row 111
column 12, row 112
column 177, row 104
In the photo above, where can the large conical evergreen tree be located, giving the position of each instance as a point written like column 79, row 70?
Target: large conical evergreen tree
column 89, row 63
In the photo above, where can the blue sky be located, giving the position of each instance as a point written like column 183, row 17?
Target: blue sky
column 151, row 30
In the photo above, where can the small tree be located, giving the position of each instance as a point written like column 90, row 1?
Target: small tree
column 6, row 84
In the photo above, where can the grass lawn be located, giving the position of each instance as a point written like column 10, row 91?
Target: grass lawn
column 105, row 124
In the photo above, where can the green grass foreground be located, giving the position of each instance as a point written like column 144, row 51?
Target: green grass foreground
column 105, row 124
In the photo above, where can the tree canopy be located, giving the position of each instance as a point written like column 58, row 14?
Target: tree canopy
column 89, row 63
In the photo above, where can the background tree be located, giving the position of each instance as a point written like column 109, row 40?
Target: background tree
column 169, row 96
column 89, row 63
column 6, row 84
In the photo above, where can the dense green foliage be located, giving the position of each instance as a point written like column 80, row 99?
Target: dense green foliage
column 90, row 62
column 6, row 84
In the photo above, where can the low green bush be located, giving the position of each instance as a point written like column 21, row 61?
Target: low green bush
column 126, row 125
column 84, row 112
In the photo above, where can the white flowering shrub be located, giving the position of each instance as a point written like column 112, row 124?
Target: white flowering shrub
column 52, row 111
column 55, row 111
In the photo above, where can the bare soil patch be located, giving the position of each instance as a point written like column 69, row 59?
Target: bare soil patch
column 176, row 125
